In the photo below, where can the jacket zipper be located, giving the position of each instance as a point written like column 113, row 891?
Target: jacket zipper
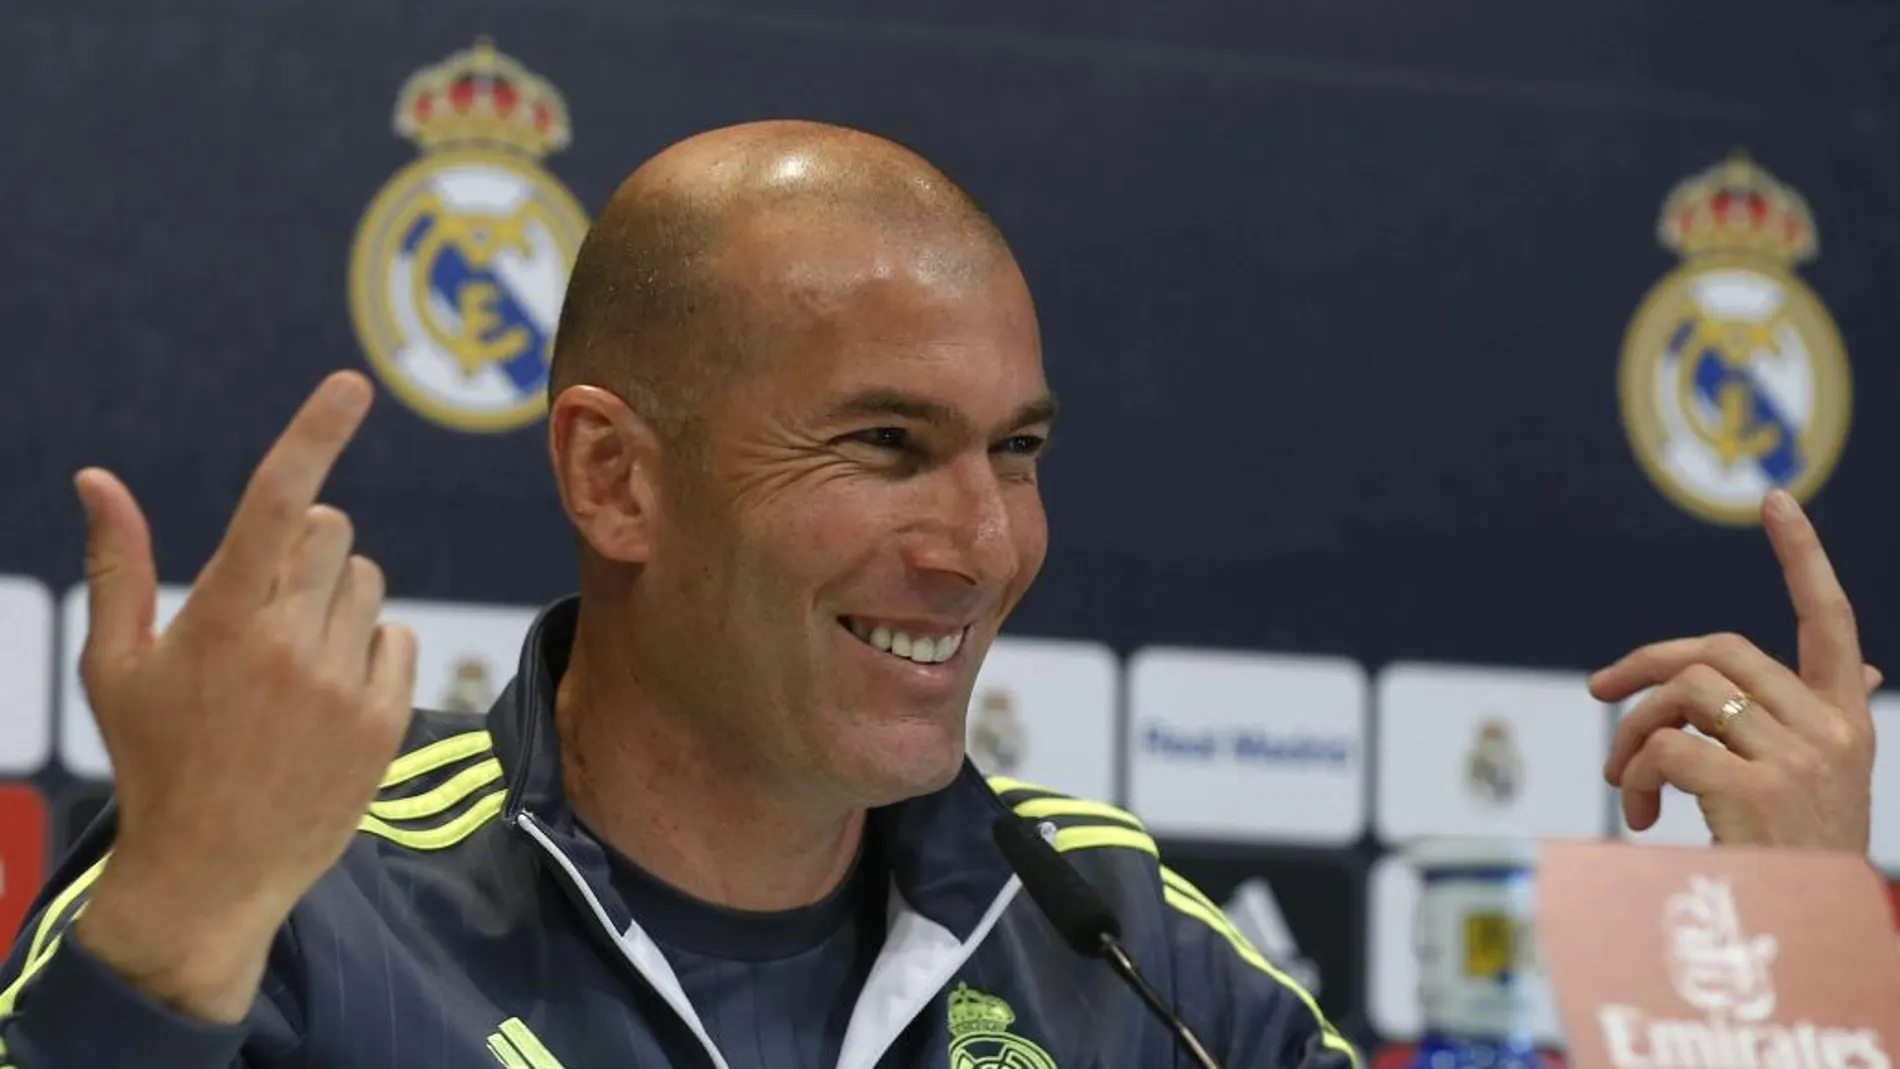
column 664, row 983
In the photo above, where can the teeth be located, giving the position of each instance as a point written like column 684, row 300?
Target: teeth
column 921, row 649
column 948, row 645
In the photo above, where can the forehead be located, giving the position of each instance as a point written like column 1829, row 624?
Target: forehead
column 844, row 305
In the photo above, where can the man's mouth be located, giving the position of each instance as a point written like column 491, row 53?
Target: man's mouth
column 914, row 645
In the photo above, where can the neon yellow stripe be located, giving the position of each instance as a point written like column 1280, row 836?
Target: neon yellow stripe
column 1037, row 808
column 50, row 919
column 445, row 836
column 1194, row 906
column 40, row 951
column 1090, row 838
column 435, row 755
column 1180, row 883
column 33, row 965
column 1003, row 785
column 506, row 1054
column 539, row 1057
column 1215, row 921
column 443, row 798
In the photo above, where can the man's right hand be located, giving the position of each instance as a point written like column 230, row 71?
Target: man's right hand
column 248, row 739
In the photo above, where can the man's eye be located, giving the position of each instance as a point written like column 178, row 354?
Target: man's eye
column 1023, row 445
column 884, row 438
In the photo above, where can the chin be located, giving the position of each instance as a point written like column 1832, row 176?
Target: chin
column 892, row 770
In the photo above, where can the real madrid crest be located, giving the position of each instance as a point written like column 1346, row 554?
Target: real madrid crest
column 997, row 737
column 461, row 261
column 1733, row 378
column 980, row 1037
column 471, row 687
column 1494, row 769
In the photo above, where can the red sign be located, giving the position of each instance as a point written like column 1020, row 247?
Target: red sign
column 1713, row 958
column 1400, row 1056
column 22, row 853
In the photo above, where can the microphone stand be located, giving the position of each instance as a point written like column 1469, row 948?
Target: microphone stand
column 1119, row 960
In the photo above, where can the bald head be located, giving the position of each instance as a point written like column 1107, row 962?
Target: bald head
column 687, row 272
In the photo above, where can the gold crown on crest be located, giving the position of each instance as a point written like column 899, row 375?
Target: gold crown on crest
column 480, row 96
column 972, row 1011
column 1736, row 206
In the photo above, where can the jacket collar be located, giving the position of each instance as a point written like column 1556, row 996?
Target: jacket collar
column 938, row 846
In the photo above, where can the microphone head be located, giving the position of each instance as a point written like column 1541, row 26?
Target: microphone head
column 1072, row 904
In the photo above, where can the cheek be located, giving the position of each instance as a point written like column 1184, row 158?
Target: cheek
column 814, row 539
column 1029, row 528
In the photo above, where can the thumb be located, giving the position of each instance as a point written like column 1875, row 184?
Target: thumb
column 121, row 580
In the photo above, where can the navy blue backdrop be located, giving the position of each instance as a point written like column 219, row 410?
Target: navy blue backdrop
column 1334, row 294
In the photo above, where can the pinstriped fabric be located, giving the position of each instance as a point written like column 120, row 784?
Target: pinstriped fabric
column 1086, row 825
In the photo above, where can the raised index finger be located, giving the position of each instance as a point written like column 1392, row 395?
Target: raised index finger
column 284, row 485
column 1828, row 643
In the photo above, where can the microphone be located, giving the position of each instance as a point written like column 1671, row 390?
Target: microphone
column 1083, row 919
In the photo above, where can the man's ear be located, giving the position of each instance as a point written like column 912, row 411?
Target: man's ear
column 605, row 459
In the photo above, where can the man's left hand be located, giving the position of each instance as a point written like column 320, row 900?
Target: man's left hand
column 1794, row 764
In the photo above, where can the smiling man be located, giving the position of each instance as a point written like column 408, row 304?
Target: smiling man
column 722, row 817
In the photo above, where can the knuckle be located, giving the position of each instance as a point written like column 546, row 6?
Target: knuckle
column 1700, row 677
column 216, row 630
column 1861, row 738
column 1664, row 745
column 282, row 655
column 335, row 692
column 1627, row 731
column 369, row 578
column 93, row 668
column 1838, row 738
column 1645, row 658
column 1802, row 765
column 401, row 637
column 1727, row 645
column 276, row 493
column 329, row 523
column 1653, row 748
column 1835, row 606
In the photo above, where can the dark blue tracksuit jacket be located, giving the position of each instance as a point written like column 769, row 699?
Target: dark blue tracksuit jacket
column 473, row 924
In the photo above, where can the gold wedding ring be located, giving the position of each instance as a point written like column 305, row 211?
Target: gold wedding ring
column 1731, row 711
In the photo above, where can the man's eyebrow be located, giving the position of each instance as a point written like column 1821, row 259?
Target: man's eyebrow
column 882, row 402
column 874, row 403
column 1041, row 410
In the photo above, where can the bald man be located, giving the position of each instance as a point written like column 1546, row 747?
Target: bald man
column 723, row 816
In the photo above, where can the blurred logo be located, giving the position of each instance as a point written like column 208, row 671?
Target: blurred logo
column 1713, row 966
column 1734, row 380
column 1721, row 971
column 1248, row 746
column 1256, row 913
column 461, row 261
column 998, row 740
column 471, row 687
column 1494, row 767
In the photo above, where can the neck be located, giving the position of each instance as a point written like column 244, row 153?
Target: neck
column 678, row 797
